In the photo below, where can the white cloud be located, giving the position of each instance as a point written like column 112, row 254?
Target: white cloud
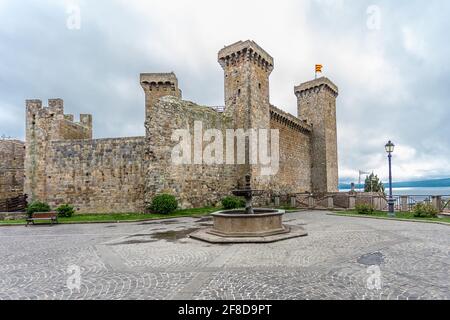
column 413, row 43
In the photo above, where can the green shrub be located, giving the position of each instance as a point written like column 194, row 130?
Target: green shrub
column 37, row 207
column 164, row 204
column 425, row 210
column 365, row 209
column 230, row 203
column 65, row 211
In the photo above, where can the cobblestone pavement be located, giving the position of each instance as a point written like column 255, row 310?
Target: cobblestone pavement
column 342, row 258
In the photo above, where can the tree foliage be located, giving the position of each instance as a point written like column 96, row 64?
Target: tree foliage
column 373, row 184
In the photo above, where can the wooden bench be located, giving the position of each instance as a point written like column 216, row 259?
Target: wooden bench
column 42, row 216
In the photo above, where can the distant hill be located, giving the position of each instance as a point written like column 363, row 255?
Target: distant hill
column 437, row 183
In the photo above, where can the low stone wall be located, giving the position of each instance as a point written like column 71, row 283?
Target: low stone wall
column 11, row 216
column 12, row 153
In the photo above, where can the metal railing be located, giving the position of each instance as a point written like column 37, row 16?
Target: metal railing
column 220, row 109
column 16, row 204
column 446, row 204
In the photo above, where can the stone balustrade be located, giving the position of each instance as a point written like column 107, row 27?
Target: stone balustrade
column 336, row 201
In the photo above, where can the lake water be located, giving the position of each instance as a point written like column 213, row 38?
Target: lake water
column 417, row 191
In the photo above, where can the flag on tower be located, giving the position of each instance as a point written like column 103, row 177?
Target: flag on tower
column 318, row 69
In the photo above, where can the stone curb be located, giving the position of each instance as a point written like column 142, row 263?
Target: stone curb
column 393, row 219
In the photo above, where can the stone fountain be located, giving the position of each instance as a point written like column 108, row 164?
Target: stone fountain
column 252, row 225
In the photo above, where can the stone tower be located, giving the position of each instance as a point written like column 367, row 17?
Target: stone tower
column 316, row 101
column 44, row 125
column 247, row 68
column 156, row 86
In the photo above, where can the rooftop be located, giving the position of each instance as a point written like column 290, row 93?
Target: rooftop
column 316, row 83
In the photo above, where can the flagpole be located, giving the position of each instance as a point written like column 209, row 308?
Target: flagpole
column 318, row 69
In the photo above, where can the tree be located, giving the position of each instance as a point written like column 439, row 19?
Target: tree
column 373, row 184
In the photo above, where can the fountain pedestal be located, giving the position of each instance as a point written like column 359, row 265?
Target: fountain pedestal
column 258, row 224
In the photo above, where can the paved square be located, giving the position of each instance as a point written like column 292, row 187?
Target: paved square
column 155, row 260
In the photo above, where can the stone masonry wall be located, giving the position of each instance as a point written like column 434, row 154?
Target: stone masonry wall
column 97, row 176
column 195, row 185
column 44, row 125
column 12, row 153
column 294, row 175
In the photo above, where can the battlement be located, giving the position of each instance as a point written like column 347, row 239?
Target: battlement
column 290, row 120
column 33, row 105
column 55, row 110
column 158, row 85
column 242, row 50
column 317, row 84
column 160, row 82
column 58, row 125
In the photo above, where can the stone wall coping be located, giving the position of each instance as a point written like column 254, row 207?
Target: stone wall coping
column 290, row 119
column 317, row 83
column 190, row 105
column 6, row 141
column 76, row 124
column 92, row 141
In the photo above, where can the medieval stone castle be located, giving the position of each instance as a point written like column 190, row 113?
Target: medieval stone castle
column 63, row 164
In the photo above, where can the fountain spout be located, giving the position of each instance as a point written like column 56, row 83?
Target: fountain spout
column 247, row 193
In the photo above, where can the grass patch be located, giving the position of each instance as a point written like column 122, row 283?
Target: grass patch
column 123, row 217
column 398, row 215
column 18, row 222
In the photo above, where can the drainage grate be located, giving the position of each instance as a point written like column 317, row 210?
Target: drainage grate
column 372, row 259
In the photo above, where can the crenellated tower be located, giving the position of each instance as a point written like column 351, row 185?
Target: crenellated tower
column 316, row 102
column 247, row 68
column 156, row 86
column 43, row 125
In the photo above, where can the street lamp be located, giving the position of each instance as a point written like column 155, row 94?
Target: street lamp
column 390, row 149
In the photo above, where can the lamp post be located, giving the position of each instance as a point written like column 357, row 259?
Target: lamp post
column 390, row 149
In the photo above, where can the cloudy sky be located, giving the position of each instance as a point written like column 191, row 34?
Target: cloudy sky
column 389, row 59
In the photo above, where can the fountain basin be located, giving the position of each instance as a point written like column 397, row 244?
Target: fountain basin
column 234, row 226
column 235, row 223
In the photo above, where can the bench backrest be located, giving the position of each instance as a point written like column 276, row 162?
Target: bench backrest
column 45, row 215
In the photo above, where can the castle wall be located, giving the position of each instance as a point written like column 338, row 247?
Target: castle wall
column 64, row 165
column 195, row 185
column 294, row 175
column 44, row 125
column 12, row 153
column 97, row 176
column 69, row 130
